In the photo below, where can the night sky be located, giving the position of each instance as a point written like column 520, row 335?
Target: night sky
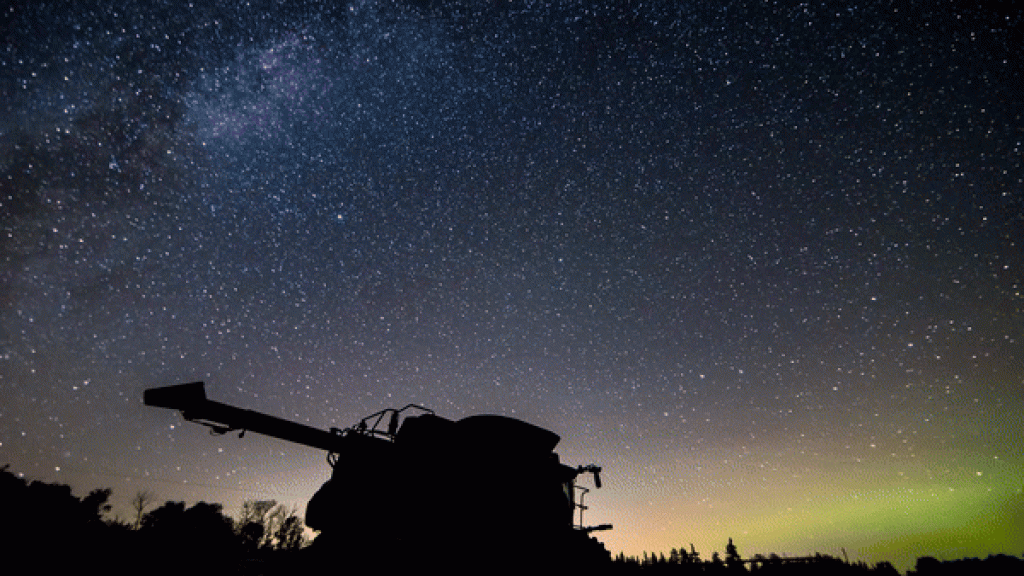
column 762, row 263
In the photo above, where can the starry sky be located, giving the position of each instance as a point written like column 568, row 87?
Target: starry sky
column 762, row 262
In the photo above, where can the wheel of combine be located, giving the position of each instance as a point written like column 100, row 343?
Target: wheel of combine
column 597, row 554
column 586, row 553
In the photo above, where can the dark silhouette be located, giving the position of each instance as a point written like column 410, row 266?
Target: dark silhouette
column 39, row 513
column 267, row 525
column 49, row 530
column 185, row 539
column 142, row 500
column 732, row 558
column 445, row 493
column 252, row 523
column 678, row 562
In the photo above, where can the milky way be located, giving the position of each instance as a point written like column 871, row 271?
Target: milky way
column 762, row 263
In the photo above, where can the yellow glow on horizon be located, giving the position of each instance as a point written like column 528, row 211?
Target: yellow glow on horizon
column 970, row 506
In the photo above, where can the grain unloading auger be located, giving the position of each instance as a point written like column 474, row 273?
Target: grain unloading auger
column 411, row 489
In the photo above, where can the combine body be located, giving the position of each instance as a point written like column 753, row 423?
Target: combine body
column 412, row 489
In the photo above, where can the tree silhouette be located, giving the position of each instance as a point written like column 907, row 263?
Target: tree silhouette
column 177, row 535
column 732, row 557
column 885, row 568
column 265, row 524
column 716, row 564
column 251, row 534
column 165, row 519
column 143, row 499
column 50, row 530
column 48, row 516
column 289, row 535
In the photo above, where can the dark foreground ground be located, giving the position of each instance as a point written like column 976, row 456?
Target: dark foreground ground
column 46, row 529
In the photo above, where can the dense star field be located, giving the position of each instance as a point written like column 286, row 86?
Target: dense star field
column 761, row 262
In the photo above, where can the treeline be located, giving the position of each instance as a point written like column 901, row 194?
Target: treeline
column 681, row 561
column 50, row 530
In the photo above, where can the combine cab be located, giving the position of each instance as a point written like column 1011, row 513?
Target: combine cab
column 413, row 490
